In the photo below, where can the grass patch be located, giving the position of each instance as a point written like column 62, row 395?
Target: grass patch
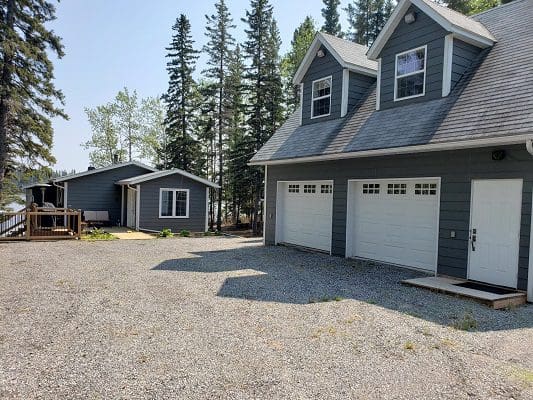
column 98, row 234
column 466, row 323
column 185, row 233
column 166, row 233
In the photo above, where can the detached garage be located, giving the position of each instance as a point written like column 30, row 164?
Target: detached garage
column 304, row 214
column 394, row 221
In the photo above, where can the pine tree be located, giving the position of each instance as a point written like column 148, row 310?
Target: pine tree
column 469, row 7
column 366, row 18
column 257, row 48
column 182, row 149
column 218, row 50
column 27, row 93
column 274, row 86
column 301, row 40
column 331, row 18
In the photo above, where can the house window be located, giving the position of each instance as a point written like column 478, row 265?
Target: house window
column 397, row 188
column 326, row 188
column 321, row 104
column 174, row 203
column 371, row 188
column 294, row 188
column 426, row 189
column 410, row 74
column 309, row 188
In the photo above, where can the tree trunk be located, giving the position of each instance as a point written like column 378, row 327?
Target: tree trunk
column 5, row 96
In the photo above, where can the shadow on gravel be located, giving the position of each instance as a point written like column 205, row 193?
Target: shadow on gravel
column 286, row 275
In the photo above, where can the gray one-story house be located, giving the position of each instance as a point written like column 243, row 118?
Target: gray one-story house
column 131, row 194
column 416, row 152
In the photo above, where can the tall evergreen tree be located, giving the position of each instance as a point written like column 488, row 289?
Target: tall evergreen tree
column 366, row 18
column 330, row 13
column 469, row 7
column 218, row 48
column 182, row 149
column 257, row 48
column 301, row 40
column 27, row 91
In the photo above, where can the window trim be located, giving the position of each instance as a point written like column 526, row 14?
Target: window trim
column 330, row 77
column 396, row 77
column 173, row 216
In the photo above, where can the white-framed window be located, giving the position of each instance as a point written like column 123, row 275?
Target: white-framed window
column 410, row 74
column 294, row 188
column 371, row 188
column 309, row 188
column 426, row 189
column 326, row 189
column 321, row 97
column 173, row 203
column 397, row 188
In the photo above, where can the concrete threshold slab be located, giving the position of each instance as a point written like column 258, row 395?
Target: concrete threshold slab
column 449, row 286
column 128, row 234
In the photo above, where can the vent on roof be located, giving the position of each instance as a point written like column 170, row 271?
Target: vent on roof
column 91, row 168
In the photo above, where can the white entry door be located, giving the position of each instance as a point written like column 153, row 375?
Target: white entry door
column 495, row 231
column 394, row 221
column 304, row 214
column 131, row 208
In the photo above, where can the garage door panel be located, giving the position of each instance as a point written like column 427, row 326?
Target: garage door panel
column 305, row 214
column 396, row 222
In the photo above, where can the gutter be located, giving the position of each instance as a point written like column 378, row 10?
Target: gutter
column 464, row 144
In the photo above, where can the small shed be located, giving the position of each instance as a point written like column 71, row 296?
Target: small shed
column 172, row 199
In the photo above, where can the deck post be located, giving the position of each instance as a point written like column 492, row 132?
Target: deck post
column 79, row 224
column 28, row 225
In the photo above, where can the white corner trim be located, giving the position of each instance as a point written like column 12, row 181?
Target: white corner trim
column 265, row 214
column 301, row 103
column 121, row 205
column 530, row 269
column 65, row 195
column 345, row 87
column 396, row 77
column 378, row 87
column 174, row 190
column 447, row 65
column 137, row 206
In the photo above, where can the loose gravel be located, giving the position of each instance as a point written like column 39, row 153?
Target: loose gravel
column 214, row 318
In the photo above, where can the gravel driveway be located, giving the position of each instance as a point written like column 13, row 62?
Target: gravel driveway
column 227, row 318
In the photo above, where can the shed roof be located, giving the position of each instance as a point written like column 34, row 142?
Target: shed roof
column 160, row 174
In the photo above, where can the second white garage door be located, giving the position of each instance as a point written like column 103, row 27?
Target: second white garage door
column 394, row 221
column 304, row 214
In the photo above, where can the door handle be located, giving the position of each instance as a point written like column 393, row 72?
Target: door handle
column 473, row 238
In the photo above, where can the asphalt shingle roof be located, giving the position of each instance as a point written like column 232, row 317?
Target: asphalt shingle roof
column 492, row 99
column 350, row 52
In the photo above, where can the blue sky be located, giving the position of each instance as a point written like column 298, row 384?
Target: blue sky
column 112, row 44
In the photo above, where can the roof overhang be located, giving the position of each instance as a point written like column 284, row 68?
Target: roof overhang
column 135, row 180
column 36, row 185
column 397, row 15
column 103, row 169
column 319, row 41
column 423, row 148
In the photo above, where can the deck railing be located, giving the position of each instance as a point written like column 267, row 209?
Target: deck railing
column 40, row 224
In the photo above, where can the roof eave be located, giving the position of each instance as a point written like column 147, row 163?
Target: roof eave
column 103, row 169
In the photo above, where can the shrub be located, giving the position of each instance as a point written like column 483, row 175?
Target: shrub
column 99, row 234
column 166, row 233
column 185, row 233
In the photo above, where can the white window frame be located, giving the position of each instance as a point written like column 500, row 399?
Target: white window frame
column 174, row 190
column 321, row 97
column 396, row 77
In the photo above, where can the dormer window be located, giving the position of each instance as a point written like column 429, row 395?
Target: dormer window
column 410, row 74
column 321, row 104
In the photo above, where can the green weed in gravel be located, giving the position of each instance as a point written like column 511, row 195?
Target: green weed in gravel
column 466, row 323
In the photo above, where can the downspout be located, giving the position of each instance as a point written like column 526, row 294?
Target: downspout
column 62, row 188
column 529, row 146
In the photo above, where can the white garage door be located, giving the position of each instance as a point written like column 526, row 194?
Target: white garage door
column 304, row 214
column 395, row 221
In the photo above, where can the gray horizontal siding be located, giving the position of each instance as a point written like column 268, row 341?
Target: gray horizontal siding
column 149, row 207
column 463, row 56
column 358, row 88
column 424, row 31
column 98, row 192
column 456, row 169
column 322, row 68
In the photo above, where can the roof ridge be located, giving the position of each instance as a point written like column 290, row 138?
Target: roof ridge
column 345, row 40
